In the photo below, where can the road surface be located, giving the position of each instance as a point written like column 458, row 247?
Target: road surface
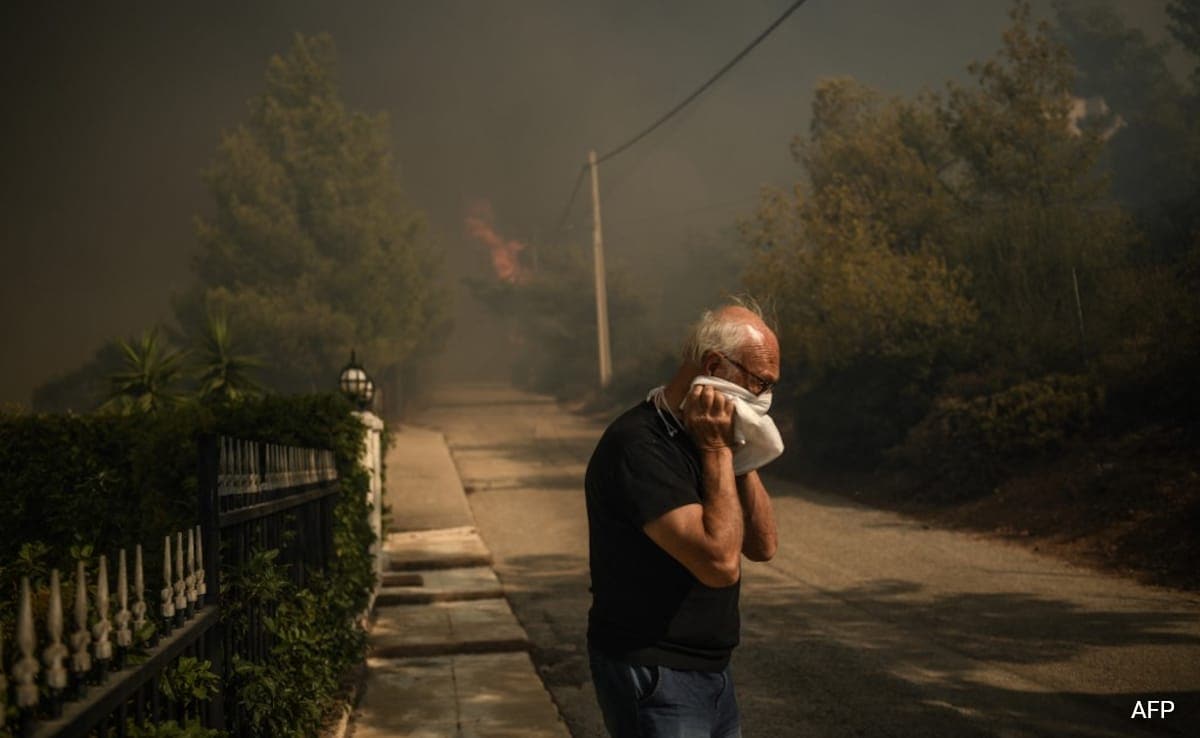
column 866, row 623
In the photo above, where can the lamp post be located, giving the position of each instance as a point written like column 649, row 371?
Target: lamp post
column 356, row 384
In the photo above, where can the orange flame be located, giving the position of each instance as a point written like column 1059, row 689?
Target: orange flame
column 505, row 260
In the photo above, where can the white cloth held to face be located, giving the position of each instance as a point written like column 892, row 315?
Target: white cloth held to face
column 757, row 438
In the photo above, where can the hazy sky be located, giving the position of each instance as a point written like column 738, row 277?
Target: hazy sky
column 113, row 109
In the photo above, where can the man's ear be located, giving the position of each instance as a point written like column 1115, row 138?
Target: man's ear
column 709, row 363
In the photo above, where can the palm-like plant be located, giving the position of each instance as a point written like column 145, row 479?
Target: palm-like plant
column 224, row 374
column 150, row 378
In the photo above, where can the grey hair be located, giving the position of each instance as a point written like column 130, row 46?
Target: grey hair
column 715, row 332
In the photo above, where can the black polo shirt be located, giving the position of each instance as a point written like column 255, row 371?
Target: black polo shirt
column 647, row 608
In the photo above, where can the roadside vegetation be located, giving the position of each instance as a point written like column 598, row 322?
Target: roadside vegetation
column 78, row 487
column 988, row 294
column 310, row 251
column 994, row 290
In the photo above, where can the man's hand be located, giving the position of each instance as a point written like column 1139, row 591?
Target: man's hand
column 707, row 537
column 708, row 417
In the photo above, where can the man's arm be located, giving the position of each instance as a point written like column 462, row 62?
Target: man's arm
column 760, row 539
column 707, row 538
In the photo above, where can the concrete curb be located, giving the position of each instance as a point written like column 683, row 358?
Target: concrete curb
column 451, row 648
column 342, row 728
column 464, row 561
column 407, row 597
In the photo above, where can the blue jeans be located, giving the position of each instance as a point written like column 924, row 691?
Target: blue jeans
column 658, row 702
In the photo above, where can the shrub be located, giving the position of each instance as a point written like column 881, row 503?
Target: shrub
column 970, row 440
column 75, row 487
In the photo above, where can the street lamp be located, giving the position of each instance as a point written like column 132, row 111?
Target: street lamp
column 356, row 384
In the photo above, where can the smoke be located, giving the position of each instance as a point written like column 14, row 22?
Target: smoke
column 506, row 260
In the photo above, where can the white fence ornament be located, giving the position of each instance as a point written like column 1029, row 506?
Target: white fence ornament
column 56, row 652
column 124, row 634
column 139, row 590
column 81, row 658
column 168, row 608
column 180, row 577
column 201, row 588
column 25, row 671
column 190, row 590
column 103, row 626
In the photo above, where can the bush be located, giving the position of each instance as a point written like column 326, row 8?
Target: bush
column 970, row 440
column 79, row 486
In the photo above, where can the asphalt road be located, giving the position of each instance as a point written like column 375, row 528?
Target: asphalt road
column 866, row 623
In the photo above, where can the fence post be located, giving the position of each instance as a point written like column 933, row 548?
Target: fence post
column 209, row 543
column 372, row 461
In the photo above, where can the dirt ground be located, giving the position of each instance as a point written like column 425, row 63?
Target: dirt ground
column 1129, row 506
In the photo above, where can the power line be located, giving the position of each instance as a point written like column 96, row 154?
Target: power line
column 575, row 191
column 702, row 88
column 680, row 106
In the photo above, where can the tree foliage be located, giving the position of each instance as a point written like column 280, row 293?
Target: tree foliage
column 312, row 248
column 971, row 230
column 867, row 306
column 550, row 318
column 1154, row 146
column 1185, row 27
column 1036, row 213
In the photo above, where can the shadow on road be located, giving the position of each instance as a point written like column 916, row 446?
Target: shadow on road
column 959, row 664
column 894, row 662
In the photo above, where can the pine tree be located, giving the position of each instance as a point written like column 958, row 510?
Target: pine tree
column 312, row 249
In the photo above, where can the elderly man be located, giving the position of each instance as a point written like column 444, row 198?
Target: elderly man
column 671, row 511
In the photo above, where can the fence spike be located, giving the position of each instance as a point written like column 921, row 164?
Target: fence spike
column 269, row 467
column 25, row 670
column 168, row 606
column 81, row 660
column 139, row 592
column 236, row 445
column 56, row 652
column 222, row 464
column 103, row 626
column 190, row 591
column 246, row 474
column 124, row 634
column 201, row 586
column 255, row 467
column 180, row 581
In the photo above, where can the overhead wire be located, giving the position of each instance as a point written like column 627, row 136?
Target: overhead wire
column 678, row 107
column 562, row 222
column 704, row 87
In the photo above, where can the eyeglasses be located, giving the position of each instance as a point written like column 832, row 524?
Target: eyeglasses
column 756, row 381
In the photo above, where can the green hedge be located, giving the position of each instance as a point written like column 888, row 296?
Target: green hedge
column 81, row 486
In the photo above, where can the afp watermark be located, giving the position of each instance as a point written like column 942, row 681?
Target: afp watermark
column 1152, row 709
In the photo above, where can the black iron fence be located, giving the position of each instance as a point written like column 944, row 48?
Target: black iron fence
column 118, row 670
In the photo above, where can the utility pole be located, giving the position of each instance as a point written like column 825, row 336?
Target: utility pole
column 601, row 289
